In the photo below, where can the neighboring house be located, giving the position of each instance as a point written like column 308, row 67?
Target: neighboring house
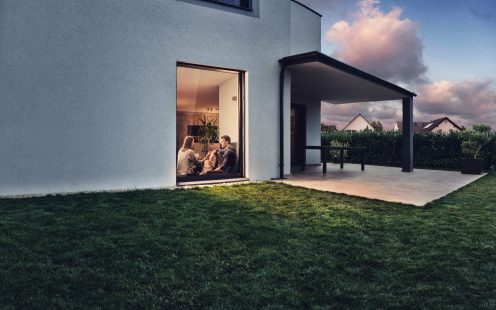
column 100, row 95
column 444, row 125
column 358, row 123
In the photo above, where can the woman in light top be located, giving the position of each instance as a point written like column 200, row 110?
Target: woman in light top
column 187, row 159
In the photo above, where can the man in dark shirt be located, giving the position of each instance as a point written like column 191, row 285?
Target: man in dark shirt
column 228, row 153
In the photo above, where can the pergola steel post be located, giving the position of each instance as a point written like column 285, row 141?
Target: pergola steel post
column 407, row 145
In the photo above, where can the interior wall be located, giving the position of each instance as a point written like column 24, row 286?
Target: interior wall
column 229, row 109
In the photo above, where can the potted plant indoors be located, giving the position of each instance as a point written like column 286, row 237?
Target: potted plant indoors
column 208, row 132
column 473, row 142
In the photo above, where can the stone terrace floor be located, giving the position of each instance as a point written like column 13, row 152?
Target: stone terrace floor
column 383, row 183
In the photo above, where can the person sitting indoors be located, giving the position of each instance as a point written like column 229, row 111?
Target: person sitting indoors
column 187, row 159
column 228, row 153
column 209, row 162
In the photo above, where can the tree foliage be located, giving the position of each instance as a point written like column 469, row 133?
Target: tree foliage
column 331, row 127
column 377, row 125
column 473, row 141
column 482, row 128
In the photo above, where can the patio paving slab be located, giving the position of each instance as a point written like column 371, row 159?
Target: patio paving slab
column 383, row 183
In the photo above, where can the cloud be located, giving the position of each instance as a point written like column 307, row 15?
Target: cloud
column 384, row 111
column 468, row 102
column 381, row 43
column 485, row 16
column 341, row 114
column 388, row 46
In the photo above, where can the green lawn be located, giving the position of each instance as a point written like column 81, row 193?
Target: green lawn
column 249, row 246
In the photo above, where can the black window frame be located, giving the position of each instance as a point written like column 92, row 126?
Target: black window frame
column 247, row 7
column 184, row 180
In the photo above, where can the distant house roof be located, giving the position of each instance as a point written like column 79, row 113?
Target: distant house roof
column 417, row 126
column 357, row 116
column 427, row 126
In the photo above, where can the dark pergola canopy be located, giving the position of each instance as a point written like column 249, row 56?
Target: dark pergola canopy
column 316, row 76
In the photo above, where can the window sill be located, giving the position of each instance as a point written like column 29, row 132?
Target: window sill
column 212, row 182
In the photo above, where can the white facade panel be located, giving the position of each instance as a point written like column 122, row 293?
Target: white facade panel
column 305, row 30
column 445, row 127
column 359, row 123
column 313, row 131
column 88, row 88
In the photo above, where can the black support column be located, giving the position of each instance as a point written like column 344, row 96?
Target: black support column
column 407, row 146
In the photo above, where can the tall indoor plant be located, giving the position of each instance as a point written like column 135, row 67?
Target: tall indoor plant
column 208, row 132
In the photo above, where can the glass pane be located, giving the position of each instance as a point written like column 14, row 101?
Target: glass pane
column 208, row 126
column 240, row 3
column 231, row 2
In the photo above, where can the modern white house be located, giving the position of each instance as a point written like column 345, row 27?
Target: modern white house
column 441, row 125
column 99, row 95
column 358, row 123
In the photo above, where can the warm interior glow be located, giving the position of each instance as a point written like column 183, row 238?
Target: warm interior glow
column 207, row 108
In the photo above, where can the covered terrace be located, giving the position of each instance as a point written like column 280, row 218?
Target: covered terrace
column 308, row 79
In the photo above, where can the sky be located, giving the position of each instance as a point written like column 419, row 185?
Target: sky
column 443, row 50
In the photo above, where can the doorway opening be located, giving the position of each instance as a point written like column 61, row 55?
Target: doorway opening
column 298, row 134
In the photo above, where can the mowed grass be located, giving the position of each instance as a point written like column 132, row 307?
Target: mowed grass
column 248, row 246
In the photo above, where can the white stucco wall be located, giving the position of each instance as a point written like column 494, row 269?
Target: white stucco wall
column 88, row 88
column 445, row 127
column 305, row 30
column 358, row 124
column 305, row 37
column 313, row 130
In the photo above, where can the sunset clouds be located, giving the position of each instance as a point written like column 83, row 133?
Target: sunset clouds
column 341, row 114
column 382, row 43
column 386, row 44
column 467, row 101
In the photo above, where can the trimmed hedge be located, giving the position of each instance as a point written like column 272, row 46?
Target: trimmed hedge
column 431, row 150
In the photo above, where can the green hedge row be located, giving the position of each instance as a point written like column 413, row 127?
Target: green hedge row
column 431, row 150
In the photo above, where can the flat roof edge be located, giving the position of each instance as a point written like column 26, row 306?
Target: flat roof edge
column 306, row 7
column 322, row 58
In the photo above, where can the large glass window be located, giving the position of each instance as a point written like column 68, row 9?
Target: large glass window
column 209, row 127
column 243, row 4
